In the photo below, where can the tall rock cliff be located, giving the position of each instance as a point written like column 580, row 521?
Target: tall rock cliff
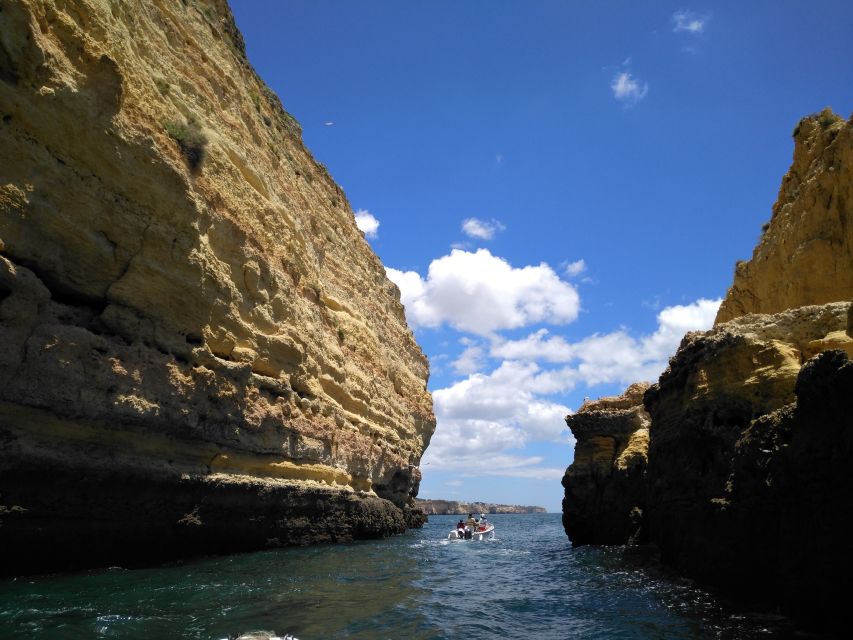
column 604, row 486
column 734, row 452
column 748, row 480
column 805, row 253
column 198, row 349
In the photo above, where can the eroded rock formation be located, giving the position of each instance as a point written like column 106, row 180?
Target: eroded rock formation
column 726, row 455
column 198, row 349
column 748, row 480
column 604, row 486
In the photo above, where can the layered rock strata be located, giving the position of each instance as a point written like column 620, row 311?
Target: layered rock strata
column 604, row 496
column 452, row 507
column 748, row 478
column 198, row 349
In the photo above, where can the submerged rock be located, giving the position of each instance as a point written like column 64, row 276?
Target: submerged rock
column 198, row 349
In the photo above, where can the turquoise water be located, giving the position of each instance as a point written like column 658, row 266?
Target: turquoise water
column 526, row 583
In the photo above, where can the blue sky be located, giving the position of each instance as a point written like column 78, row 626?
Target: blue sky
column 561, row 188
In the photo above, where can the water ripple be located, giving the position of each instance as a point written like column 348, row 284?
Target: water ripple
column 526, row 583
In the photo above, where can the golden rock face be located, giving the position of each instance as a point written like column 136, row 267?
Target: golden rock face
column 746, row 448
column 604, row 484
column 175, row 264
column 805, row 254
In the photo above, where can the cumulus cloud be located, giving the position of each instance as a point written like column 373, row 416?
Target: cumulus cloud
column 366, row 221
column 628, row 89
column 575, row 268
column 470, row 360
column 480, row 293
column 611, row 357
column 485, row 416
column 688, row 22
column 506, row 397
column 482, row 229
column 538, row 346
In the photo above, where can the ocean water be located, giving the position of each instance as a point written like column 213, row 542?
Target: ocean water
column 526, row 583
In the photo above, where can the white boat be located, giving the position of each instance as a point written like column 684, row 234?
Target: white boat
column 476, row 532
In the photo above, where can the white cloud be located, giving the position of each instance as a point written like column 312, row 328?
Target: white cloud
column 536, row 346
column 611, row 357
column 482, row 418
column 576, row 268
column 504, row 397
column 472, row 464
column 689, row 22
column 366, row 221
column 472, row 359
column 481, row 293
column 482, row 229
column 485, row 417
column 628, row 89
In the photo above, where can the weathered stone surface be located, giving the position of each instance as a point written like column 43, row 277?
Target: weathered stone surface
column 742, row 455
column 804, row 256
column 604, row 486
column 452, row 507
column 815, row 482
column 748, row 480
column 186, row 303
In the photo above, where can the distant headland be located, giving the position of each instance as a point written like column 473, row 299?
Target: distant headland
column 452, row 507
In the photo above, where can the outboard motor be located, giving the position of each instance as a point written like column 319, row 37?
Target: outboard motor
column 468, row 533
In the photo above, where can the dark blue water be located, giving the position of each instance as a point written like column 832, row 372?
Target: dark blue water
column 527, row 583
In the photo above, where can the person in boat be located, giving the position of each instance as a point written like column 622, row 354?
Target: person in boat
column 484, row 524
column 470, row 526
column 460, row 528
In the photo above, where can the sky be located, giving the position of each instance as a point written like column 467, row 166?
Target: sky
column 560, row 189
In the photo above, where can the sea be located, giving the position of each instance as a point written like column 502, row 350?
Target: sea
column 527, row 582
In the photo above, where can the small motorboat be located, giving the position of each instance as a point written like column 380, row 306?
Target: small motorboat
column 478, row 531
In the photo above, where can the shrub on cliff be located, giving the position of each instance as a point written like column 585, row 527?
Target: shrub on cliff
column 190, row 139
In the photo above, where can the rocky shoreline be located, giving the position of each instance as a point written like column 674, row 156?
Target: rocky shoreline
column 743, row 479
column 451, row 507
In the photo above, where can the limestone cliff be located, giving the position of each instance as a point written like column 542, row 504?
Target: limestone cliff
column 721, row 466
column 805, row 253
column 198, row 349
column 748, row 480
column 452, row 507
column 604, row 487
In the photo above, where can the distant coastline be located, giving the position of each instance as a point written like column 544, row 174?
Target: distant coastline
column 452, row 507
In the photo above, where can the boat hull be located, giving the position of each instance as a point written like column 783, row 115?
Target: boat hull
column 487, row 533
